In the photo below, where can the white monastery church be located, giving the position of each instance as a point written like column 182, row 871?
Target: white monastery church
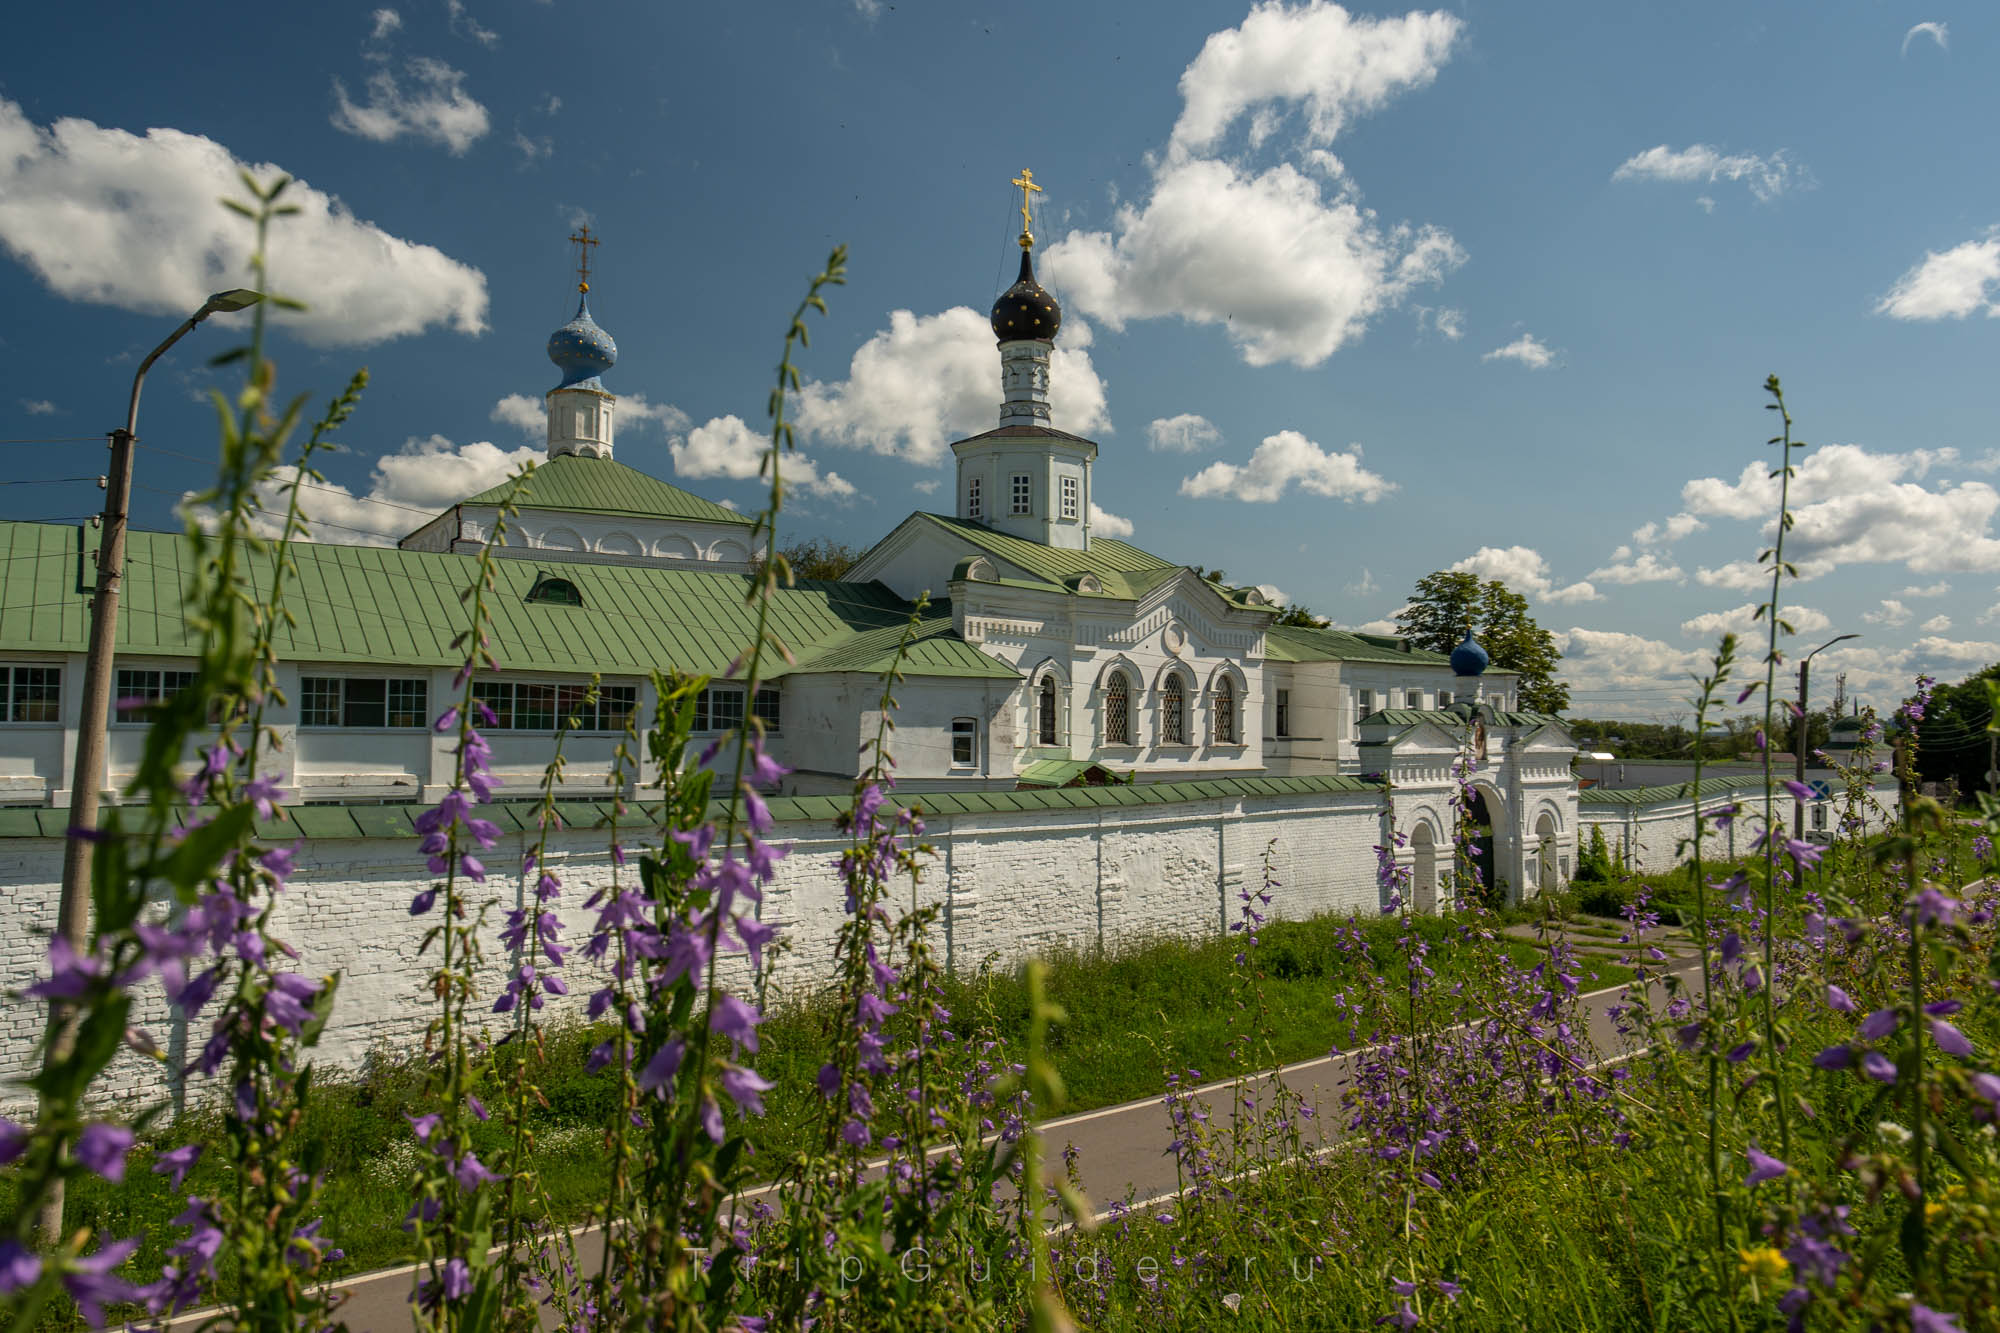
column 1046, row 657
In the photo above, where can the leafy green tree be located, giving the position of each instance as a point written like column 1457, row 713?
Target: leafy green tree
column 1594, row 865
column 1301, row 617
column 1446, row 602
column 820, row 558
column 1951, row 740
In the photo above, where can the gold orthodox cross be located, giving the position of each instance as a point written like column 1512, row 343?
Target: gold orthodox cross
column 1026, row 183
column 583, row 240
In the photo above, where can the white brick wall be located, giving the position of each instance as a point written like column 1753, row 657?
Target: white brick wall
column 1012, row 884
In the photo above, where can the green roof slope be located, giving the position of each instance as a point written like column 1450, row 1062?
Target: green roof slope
column 934, row 650
column 1298, row 643
column 1127, row 572
column 393, row 607
column 575, row 484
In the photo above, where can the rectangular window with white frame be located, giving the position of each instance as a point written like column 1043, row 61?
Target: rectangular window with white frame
column 135, row 689
column 964, row 742
column 30, row 694
column 401, row 703
column 720, row 708
column 545, row 706
column 973, row 507
column 1282, row 723
column 1070, row 491
column 1024, row 493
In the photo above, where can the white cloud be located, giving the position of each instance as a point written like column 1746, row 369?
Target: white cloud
column 427, row 102
column 1767, row 177
column 38, row 407
column 1667, row 532
column 924, row 381
column 1104, row 523
column 1935, row 648
column 1949, row 284
column 1938, row 589
column 725, row 447
column 1524, row 570
column 1291, row 274
column 1386, row 626
column 112, row 218
column 1753, row 576
column 635, row 407
column 529, row 415
column 1743, row 620
column 1281, row 460
column 1285, row 258
column 1527, row 349
column 1852, row 506
column 1647, row 568
column 550, row 104
column 386, row 22
column 427, row 475
column 1314, row 56
column 525, row 414
column 1891, row 613
column 534, row 149
column 1615, row 674
column 1705, row 202
column 1936, row 625
column 468, row 27
column 1937, row 32
column 1365, row 586
column 1273, row 594
column 1185, row 433
column 1449, row 322
column 868, row 9
column 928, row 486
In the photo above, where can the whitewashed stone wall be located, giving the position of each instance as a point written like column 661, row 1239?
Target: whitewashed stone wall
column 1650, row 837
column 1011, row 885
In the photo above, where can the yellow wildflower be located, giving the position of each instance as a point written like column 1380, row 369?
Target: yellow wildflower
column 1763, row 1264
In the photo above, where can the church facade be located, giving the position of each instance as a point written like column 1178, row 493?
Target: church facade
column 1043, row 655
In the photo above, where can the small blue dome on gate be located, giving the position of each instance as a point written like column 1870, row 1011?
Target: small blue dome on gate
column 581, row 350
column 1469, row 659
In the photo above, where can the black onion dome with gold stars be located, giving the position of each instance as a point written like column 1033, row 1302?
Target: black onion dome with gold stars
column 1026, row 310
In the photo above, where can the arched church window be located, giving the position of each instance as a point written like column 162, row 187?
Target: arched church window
column 1173, row 711
column 1118, row 710
column 1045, row 712
column 1225, row 712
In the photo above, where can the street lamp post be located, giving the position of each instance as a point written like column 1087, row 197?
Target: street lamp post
column 1799, row 755
column 73, row 909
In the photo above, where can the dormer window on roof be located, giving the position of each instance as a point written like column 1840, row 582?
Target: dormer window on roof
column 555, row 592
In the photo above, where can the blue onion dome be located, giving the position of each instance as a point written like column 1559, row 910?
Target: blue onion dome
column 1469, row 659
column 581, row 350
column 1026, row 310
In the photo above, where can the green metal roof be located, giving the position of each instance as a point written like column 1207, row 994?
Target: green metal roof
column 393, row 607
column 1719, row 787
column 1298, row 643
column 1444, row 717
column 576, row 484
column 935, row 650
column 393, row 821
column 1127, row 571
column 1060, row 772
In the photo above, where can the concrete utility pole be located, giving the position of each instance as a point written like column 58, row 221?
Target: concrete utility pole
column 1804, row 731
column 73, row 909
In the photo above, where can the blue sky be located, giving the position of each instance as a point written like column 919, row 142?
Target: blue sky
column 1352, row 295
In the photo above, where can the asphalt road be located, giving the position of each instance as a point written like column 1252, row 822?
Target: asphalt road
column 1121, row 1152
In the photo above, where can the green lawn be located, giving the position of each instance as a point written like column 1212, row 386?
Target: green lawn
column 1131, row 1011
